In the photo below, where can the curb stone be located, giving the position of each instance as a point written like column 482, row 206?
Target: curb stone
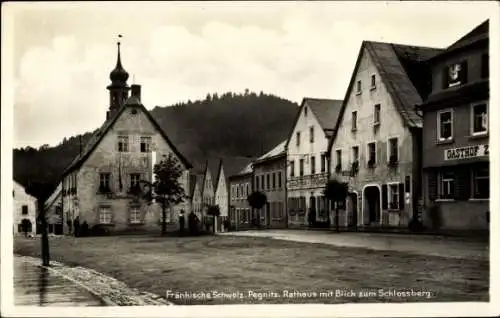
column 110, row 290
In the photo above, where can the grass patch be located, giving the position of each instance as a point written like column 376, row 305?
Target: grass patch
column 234, row 267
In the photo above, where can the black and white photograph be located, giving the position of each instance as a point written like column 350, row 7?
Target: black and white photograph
column 255, row 158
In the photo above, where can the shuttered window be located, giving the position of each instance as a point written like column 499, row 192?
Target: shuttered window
column 446, row 185
column 401, row 196
column 481, row 182
column 384, row 197
column 432, row 185
column 393, row 199
column 463, row 183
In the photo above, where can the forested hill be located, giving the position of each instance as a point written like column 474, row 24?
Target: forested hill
column 230, row 125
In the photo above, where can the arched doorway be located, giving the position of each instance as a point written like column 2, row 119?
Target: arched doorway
column 352, row 209
column 371, row 204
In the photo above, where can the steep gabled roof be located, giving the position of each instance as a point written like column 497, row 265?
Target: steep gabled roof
column 275, row 152
column 479, row 33
column 53, row 196
column 326, row 112
column 211, row 167
column 403, row 70
column 196, row 179
column 245, row 171
column 219, row 172
column 98, row 135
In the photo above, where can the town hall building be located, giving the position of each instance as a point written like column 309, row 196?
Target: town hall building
column 99, row 186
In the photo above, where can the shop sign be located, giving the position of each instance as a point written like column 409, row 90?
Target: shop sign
column 466, row 152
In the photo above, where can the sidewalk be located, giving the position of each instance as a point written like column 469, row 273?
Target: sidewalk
column 63, row 285
column 38, row 286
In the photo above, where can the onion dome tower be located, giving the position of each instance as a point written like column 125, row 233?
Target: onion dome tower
column 118, row 89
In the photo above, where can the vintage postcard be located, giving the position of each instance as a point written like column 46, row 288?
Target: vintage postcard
column 253, row 158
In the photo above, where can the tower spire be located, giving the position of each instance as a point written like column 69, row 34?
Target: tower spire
column 118, row 60
column 118, row 89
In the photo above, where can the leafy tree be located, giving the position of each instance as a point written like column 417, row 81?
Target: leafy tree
column 257, row 200
column 166, row 189
column 337, row 192
column 214, row 211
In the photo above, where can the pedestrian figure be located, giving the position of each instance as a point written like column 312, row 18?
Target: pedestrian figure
column 85, row 228
column 76, row 226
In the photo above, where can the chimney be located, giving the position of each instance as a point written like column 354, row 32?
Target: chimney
column 136, row 91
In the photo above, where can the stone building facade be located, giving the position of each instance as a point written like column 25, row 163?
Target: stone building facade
column 98, row 187
column 307, row 170
column 240, row 211
column 221, row 198
column 53, row 211
column 270, row 178
column 456, row 136
column 25, row 208
column 377, row 146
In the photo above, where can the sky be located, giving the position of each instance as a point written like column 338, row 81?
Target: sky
column 63, row 53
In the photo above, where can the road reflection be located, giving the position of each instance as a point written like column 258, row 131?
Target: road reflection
column 43, row 282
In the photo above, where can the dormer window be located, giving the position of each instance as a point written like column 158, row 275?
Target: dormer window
column 455, row 74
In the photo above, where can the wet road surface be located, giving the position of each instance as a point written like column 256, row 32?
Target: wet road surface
column 36, row 286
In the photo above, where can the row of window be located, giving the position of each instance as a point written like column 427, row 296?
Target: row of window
column 371, row 150
column 312, row 165
column 105, row 181
column 479, row 187
column 134, row 215
column 311, row 136
column 376, row 117
column 478, row 121
column 276, row 210
column 123, row 144
column 106, row 217
column 243, row 215
column 240, row 191
column 269, row 181
column 373, row 84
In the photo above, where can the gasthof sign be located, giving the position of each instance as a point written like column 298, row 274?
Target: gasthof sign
column 466, row 152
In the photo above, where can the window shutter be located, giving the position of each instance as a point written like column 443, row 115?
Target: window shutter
column 432, row 184
column 462, row 184
column 381, row 152
column 401, row 196
column 384, row 197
